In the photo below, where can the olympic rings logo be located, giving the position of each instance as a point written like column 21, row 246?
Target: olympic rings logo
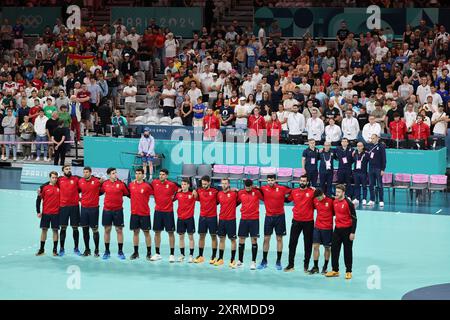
column 31, row 21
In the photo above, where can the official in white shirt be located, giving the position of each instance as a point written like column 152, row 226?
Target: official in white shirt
column 296, row 125
column 410, row 116
column 333, row 133
column 315, row 127
column 350, row 127
column 371, row 128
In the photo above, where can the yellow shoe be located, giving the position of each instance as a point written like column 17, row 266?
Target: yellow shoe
column 213, row 261
column 332, row 274
column 199, row 259
column 348, row 275
column 232, row 264
column 218, row 262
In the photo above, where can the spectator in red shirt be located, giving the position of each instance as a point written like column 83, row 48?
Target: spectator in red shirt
column 140, row 192
column 114, row 191
column 273, row 128
column 420, row 130
column 228, row 200
column 344, row 233
column 185, row 222
column 249, row 198
column 323, row 229
column 83, row 97
column 397, row 128
column 164, row 191
column 274, row 198
column 256, row 124
column 211, row 125
column 89, row 187
column 49, row 194
column 303, row 220
column 208, row 218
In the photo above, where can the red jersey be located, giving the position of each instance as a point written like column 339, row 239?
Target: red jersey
column 90, row 192
column 82, row 95
column 274, row 128
column 250, row 203
column 159, row 40
column 420, row 131
column 140, row 195
column 303, row 204
column 211, row 126
column 257, row 124
column 34, row 111
column 50, row 195
column 163, row 193
column 344, row 211
column 398, row 130
column 325, row 212
column 228, row 203
column 114, row 193
column 208, row 202
column 38, row 84
column 186, row 205
column 274, row 199
column 69, row 194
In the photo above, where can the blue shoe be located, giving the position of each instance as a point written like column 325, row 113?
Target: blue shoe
column 77, row 252
column 61, row 253
column 262, row 265
column 121, row 256
column 106, row 256
column 278, row 266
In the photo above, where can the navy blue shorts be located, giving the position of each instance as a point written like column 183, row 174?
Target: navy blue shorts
column 323, row 237
column 147, row 159
column 163, row 221
column 140, row 222
column 207, row 224
column 248, row 227
column 186, row 225
column 89, row 217
column 227, row 228
column 49, row 220
column 277, row 223
column 110, row 218
column 72, row 213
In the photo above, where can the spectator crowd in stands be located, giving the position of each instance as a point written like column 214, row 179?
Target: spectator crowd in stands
column 225, row 77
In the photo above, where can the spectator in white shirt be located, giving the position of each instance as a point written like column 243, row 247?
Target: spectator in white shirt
column 380, row 51
column 423, row 90
column 295, row 125
column 41, row 135
column 437, row 98
column 410, row 116
column 129, row 92
column 194, row 92
column 350, row 126
column 305, row 87
column 315, row 127
column 371, row 128
column 248, row 86
column 283, row 116
column 41, row 47
column 134, row 38
column 224, row 65
column 168, row 96
column 440, row 121
column 241, row 113
column 171, row 47
column 289, row 102
column 256, row 76
column 333, row 132
column 104, row 37
column 406, row 89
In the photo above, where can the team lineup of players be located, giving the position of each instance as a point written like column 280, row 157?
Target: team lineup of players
column 60, row 199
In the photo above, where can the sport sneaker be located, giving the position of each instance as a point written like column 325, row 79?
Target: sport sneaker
column 77, row 252
column 191, row 259
column 253, row 265
column 37, row 159
column 40, row 253
column 171, row 258
column 46, row 159
column 381, row 204
column 356, row 202
column 199, row 259
column 232, row 264
column 239, row 264
column 156, row 257
column 262, row 265
column 121, row 256
column 212, row 261
column 289, row 268
column 180, row 259
column 86, row 253
column 313, row 270
column 134, row 256
column 278, row 266
column 348, row 275
column 106, row 255
column 149, row 257
column 371, row 203
column 14, row 159
column 364, row 202
column 331, row 274
column 218, row 263
column 62, row 252
column 96, row 253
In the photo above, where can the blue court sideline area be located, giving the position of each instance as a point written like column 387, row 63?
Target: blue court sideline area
column 394, row 252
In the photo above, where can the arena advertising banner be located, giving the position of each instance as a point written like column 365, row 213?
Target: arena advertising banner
column 34, row 19
column 181, row 21
column 325, row 22
column 38, row 174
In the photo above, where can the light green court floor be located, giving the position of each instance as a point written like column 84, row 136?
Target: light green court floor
column 393, row 254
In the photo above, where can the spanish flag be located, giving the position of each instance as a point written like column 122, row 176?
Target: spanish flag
column 88, row 60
